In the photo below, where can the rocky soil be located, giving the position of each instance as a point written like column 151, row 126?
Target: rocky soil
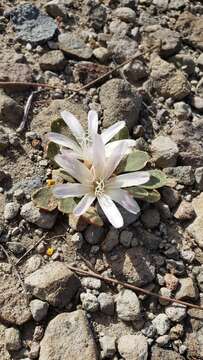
column 46, row 311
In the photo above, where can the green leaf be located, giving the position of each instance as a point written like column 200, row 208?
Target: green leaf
column 157, row 180
column 153, row 196
column 136, row 160
column 59, row 126
column 52, row 151
column 92, row 217
column 43, row 198
column 138, row 192
column 122, row 135
column 66, row 205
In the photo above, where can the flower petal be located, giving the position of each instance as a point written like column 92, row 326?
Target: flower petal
column 74, row 125
column 92, row 122
column 115, row 158
column 109, row 133
column 98, row 156
column 109, row 148
column 123, row 198
column 63, row 141
column 73, row 167
column 129, row 179
column 111, row 211
column 69, row 190
column 84, row 204
column 76, row 155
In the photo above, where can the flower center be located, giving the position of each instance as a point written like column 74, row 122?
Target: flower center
column 85, row 141
column 99, row 187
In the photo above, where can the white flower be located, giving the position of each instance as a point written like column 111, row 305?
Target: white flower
column 100, row 183
column 82, row 147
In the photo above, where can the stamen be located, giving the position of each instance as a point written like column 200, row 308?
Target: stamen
column 99, row 187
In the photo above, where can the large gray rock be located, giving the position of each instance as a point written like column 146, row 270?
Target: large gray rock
column 53, row 283
column 41, row 218
column 133, row 347
column 170, row 41
column 52, row 112
column 187, row 289
column 4, row 355
column 10, row 112
column 191, row 28
column 196, row 230
column 125, row 14
column 119, row 102
column 167, row 81
column 73, row 45
column 121, row 47
column 68, row 336
column 11, row 210
column 133, row 265
column 159, row 354
column 12, row 339
column 32, row 25
column 15, row 73
column 57, row 8
column 13, row 301
column 127, row 305
column 52, row 60
column 164, row 151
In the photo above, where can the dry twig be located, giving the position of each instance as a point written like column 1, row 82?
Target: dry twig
column 132, row 287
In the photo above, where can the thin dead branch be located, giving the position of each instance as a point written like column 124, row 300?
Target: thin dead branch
column 26, row 113
column 132, row 287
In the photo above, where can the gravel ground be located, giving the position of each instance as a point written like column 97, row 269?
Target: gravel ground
column 47, row 312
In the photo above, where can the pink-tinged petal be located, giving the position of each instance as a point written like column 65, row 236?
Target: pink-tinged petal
column 111, row 211
column 129, row 179
column 109, row 148
column 74, row 167
column 73, row 124
column 98, row 156
column 92, row 122
column 63, row 141
column 84, row 204
column 113, row 161
column 123, row 198
column 111, row 131
column 69, row 190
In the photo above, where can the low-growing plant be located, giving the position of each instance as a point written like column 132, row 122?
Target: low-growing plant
column 105, row 167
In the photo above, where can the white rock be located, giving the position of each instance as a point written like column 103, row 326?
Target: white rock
column 127, row 305
column 161, row 323
column 38, row 309
column 133, row 347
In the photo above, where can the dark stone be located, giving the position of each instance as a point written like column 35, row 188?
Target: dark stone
column 32, row 25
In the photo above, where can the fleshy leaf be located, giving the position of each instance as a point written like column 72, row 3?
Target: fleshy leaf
column 138, row 192
column 136, row 160
column 66, row 205
column 143, row 194
column 43, row 198
column 122, row 135
column 52, row 150
column 59, row 126
column 153, row 196
column 157, row 180
column 92, row 217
